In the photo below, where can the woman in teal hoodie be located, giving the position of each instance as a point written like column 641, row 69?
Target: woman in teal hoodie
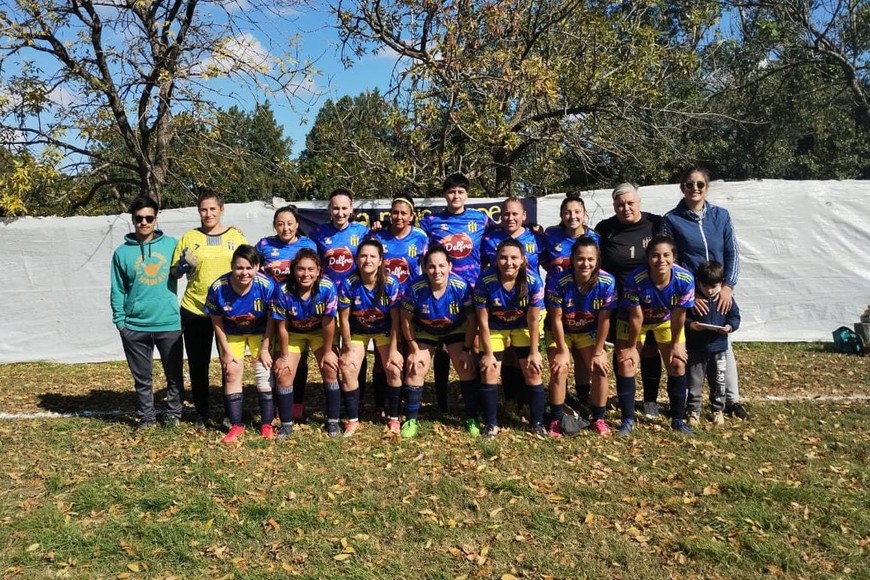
column 145, row 311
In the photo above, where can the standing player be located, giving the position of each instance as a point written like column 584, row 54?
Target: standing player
column 368, row 309
column 513, row 216
column 338, row 239
column 203, row 254
column 238, row 304
column 624, row 238
column 404, row 246
column 579, row 304
column 145, row 311
column 656, row 297
column 460, row 231
column 276, row 253
column 437, row 310
column 508, row 298
column 305, row 308
column 558, row 241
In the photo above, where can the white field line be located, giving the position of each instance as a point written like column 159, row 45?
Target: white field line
column 131, row 412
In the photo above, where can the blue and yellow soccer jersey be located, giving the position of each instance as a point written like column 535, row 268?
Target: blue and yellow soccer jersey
column 276, row 255
column 402, row 255
column 337, row 248
column 556, row 256
column 580, row 309
column 245, row 314
column 506, row 310
column 305, row 315
column 657, row 304
column 462, row 236
column 438, row 316
column 368, row 315
column 533, row 245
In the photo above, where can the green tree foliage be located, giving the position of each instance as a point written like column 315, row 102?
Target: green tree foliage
column 362, row 144
column 80, row 73
column 507, row 87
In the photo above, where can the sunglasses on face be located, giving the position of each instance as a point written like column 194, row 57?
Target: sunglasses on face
column 144, row 218
column 698, row 184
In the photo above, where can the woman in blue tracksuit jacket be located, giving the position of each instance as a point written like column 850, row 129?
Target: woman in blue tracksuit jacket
column 704, row 232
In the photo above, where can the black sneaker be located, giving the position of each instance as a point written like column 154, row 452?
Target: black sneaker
column 737, row 410
column 200, row 424
column 144, row 426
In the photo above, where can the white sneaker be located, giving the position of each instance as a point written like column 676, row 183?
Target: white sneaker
column 694, row 419
column 718, row 418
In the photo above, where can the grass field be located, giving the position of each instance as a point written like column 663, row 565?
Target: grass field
column 784, row 495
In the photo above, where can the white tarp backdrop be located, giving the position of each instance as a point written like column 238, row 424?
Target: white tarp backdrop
column 804, row 246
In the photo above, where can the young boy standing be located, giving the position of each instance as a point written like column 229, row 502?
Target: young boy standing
column 706, row 343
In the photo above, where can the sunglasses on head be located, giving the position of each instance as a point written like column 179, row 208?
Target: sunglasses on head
column 691, row 184
column 144, row 218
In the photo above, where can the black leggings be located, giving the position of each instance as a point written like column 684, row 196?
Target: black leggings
column 198, row 339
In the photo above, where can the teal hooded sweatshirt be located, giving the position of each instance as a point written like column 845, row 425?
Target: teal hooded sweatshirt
column 144, row 296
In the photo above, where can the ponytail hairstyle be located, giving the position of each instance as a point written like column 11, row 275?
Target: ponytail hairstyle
column 522, row 284
column 303, row 254
column 381, row 275
column 585, row 241
column 569, row 197
column 407, row 198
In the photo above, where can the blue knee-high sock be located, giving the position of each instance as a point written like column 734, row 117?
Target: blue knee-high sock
column 469, row 398
column 489, row 402
column 597, row 413
column 233, row 403
column 394, row 394
column 625, row 390
column 333, row 401
column 413, row 398
column 351, row 404
column 536, row 404
column 557, row 411
column 267, row 407
column 285, row 404
column 677, row 393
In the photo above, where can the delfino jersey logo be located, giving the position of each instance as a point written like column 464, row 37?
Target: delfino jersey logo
column 458, row 245
column 339, row 260
column 398, row 268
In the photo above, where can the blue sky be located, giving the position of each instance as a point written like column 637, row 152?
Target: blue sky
column 319, row 42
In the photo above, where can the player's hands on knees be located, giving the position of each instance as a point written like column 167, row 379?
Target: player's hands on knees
column 560, row 361
column 395, row 359
column 228, row 360
column 600, row 363
column 535, row 362
column 678, row 353
column 329, row 361
column 266, row 358
column 487, row 361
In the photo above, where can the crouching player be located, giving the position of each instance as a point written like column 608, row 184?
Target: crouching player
column 656, row 297
column 238, row 303
column 368, row 309
column 508, row 299
column 579, row 303
column 304, row 309
column 706, row 346
column 437, row 310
